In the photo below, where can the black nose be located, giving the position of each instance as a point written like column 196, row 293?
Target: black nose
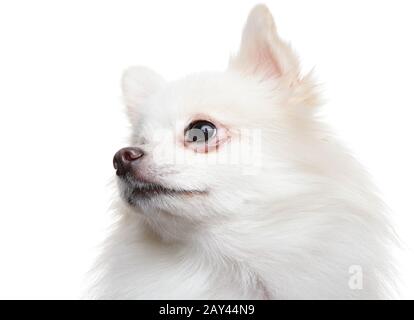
column 124, row 158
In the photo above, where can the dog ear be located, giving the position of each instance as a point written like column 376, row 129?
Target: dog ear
column 138, row 84
column 262, row 52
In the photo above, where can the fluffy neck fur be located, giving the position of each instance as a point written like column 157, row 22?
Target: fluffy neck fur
column 301, row 247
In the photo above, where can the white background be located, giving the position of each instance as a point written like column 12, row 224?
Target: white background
column 61, row 116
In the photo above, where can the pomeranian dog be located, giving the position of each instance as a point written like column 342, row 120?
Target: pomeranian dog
column 232, row 188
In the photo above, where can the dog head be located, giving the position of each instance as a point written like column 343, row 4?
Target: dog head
column 212, row 144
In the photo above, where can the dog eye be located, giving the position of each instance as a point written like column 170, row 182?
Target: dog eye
column 200, row 131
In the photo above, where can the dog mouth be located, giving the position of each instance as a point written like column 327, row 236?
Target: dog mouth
column 135, row 190
column 153, row 190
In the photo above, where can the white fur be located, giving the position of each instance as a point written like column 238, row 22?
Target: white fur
column 291, row 229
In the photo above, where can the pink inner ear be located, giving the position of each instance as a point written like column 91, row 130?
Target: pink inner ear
column 265, row 63
column 257, row 57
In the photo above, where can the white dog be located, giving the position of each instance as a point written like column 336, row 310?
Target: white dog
column 231, row 188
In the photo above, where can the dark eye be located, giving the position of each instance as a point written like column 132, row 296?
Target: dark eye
column 200, row 131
